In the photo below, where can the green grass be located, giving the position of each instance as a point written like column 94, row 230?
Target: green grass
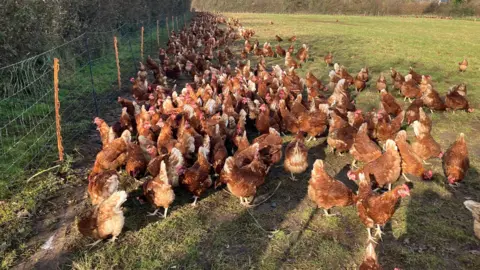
column 27, row 134
column 430, row 230
column 35, row 149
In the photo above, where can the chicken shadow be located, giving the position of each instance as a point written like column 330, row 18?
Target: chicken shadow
column 241, row 240
column 437, row 231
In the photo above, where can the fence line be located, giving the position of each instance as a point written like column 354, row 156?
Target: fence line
column 45, row 52
column 28, row 126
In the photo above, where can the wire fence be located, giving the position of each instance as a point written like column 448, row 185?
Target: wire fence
column 87, row 88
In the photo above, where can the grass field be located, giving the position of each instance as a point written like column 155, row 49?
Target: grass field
column 430, row 230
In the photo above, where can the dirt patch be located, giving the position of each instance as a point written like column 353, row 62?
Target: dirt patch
column 55, row 219
column 64, row 208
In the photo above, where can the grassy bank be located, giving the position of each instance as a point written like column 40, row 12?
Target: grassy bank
column 28, row 140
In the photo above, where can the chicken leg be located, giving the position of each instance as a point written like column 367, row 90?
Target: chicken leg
column 455, row 185
column 195, row 198
column 165, row 213
column 292, row 177
column 353, row 165
column 426, row 163
column 370, row 237
column 113, row 239
column 406, row 178
column 94, row 243
column 378, row 232
column 327, row 213
column 244, row 201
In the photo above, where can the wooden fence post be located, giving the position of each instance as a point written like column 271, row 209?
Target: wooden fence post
column 118, row 62
column 56, row 68
column 158, row 34
column 168, row 30
column 141, row 45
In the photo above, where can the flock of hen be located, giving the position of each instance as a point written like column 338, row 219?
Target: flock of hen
column 192, row 137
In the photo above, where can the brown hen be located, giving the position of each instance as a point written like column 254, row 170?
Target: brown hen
column 374, row 209
column 159, row 192
column 113, row 156
column 386, row 169
column 102, row 186
column 411, row 162
column 326, row 191
column 106, row 220
column 456, row 161
column 296, row 156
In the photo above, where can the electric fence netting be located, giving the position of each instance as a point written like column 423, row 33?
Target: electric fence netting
column 88, row 87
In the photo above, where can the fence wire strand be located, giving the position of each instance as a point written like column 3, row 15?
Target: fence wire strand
column 27, row 126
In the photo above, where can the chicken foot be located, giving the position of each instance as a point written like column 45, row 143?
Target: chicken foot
column 292, row 177
column 195, row 198
column 94, row 243
column 378, row 232
column 244, row 201
column 353, row 165
column 406, row 178
column 326, row 212
column 370, row 237
column 112, row 240
column 409, row 100
column 154, row 213
column 455, row 185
